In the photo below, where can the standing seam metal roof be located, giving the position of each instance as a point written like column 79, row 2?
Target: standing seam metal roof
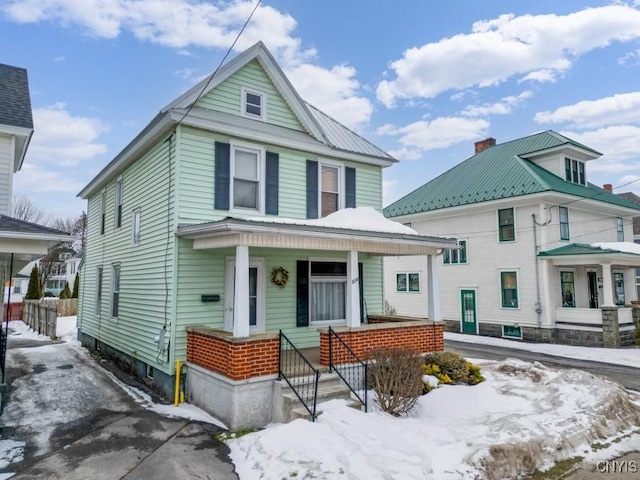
column 499, row 172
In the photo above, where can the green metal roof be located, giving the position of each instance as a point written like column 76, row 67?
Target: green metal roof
column 577, row 249
column 500, row 172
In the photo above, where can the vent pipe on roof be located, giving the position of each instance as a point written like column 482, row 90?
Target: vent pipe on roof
column 484, row 144
column 608, row 187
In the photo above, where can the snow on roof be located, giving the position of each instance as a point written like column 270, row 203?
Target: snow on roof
column 365, row 219
column 625, row 247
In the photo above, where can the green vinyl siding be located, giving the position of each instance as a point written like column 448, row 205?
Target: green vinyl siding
column 226, row 97
column 196, row 181
column 142, row 279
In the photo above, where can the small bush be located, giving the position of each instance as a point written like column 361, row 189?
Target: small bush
column 48, row 295
column 449, row 367
column 66, row 292
column 475, row 377
column 396, row 377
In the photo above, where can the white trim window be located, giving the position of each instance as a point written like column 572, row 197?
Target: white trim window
column 408, row 282
column 620, row 229
column 254, row 104
column 115, row 290
column 118, row 213
column 563, row 220
column 574, row 171
column 328, row 291
column 135, row 226
column 454, row 256
column 331, row 189
column 103, row 211
column 247, row 178
column 99, row 278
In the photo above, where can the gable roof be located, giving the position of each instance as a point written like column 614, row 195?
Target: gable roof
column 501, row 172
column 15, row 109
column 331, row 135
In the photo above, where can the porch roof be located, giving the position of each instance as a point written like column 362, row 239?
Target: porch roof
column 618, row 253
column 311, row 235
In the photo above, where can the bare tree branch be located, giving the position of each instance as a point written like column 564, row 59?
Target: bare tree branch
column 25, row 209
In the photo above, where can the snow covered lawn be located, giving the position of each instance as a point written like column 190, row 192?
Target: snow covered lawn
column 524, row 417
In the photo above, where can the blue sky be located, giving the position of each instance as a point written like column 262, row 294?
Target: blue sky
column 423, row 80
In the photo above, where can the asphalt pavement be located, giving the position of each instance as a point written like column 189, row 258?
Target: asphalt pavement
column 74, row 422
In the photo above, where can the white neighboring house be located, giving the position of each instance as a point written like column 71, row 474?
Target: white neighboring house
column 72, row 267
column 532, row 263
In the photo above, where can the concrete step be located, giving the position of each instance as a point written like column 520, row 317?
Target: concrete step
column 301, row 412
column 326, row 379
column 325, row 392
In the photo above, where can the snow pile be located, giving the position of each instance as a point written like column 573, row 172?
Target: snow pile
column 625, row 247
column 11, row 451
column 524, row 417
column 66, row 328
column 19, row 329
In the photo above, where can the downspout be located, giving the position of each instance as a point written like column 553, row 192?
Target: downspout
column 538, row 305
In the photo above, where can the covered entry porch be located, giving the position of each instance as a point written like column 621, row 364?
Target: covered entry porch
column 589, row 291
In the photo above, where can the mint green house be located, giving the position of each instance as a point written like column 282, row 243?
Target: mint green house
column 242, row 210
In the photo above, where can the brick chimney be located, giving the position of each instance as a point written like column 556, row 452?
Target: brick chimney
column 608, row 187
column 484, row 144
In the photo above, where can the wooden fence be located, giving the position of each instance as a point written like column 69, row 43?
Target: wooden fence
column 14, row 310
column 41, row 316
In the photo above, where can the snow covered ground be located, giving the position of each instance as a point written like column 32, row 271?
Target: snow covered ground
column 617, row 356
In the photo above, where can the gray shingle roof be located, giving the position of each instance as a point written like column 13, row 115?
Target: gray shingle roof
column 10, row 224
column 15, row 103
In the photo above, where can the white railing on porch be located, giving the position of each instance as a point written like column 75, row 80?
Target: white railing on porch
column 591, row 316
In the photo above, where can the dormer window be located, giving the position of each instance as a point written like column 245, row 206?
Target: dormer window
column 574, row 171
column 253, row 104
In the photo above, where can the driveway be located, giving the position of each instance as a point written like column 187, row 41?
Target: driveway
column 68, row 418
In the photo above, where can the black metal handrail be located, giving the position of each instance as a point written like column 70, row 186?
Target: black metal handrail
column 354, row 372
column 296, row 370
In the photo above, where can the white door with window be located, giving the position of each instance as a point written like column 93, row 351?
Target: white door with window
column 256, row 295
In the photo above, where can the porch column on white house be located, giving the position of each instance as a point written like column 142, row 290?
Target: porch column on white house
column 433, row 288
column 607, row 285
column 353, row 290
column 241, row 293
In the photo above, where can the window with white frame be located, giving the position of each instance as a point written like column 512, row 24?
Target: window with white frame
column 99, row 275
column 135, row 226
column 456, row 255
column 115, row 290
column 103, row 211
column 567, row 289
column 328, row 291
column 407, row 282
column 574, row 171
column 331, row 197
column 563, row 217
column 509, row 289
column 253, row 104
column 620, row 229
column 246, row 172
column 118, row 212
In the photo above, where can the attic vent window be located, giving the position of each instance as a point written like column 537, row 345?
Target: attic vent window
column 574, row 171
column 253, row 104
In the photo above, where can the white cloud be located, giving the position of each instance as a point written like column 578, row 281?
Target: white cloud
column 615, row 110
column 503, row 107
column 62, row 139
column 334, row 91
column 616, row 143
column 60, row 58
column 536, row 47
column 630, row 59
column 438, row 133
column 388, row 191
column 406, row 154
column 33, row 179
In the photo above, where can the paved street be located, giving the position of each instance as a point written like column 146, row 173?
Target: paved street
column 75, row 422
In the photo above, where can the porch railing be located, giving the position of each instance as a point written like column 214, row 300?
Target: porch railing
column 351, row 369
column 299, row 374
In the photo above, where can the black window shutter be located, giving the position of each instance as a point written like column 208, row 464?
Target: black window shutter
column 361, row 285
column 312, row 189
column 223, row 174
column 271, row 201
column 302, row 293
column 350, row 187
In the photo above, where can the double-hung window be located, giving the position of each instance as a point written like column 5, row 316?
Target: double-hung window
column 103, row 211
column 567, row 288
column 247, row 184
column 99, row 276
column 253, row 104
column 330, row 189
column 328, row 292
column 115, row 290
column 574, row 171
column 407, row 282
column 135, row 227
column 456, row 255
column 509, row 289
column 620, row 229
column 506, row 225
column 563, row 214
column 119, row 202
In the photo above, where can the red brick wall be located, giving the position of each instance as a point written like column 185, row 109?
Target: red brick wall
column 236, row 360
column 420, row 338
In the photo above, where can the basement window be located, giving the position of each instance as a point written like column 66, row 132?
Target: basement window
column 512, row 331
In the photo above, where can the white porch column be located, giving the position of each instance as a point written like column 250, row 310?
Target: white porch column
column 241, row 293
column 353, row 290
column 433, row 288
column 607, row 285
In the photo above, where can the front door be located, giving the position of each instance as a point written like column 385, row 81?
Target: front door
column 256, row 295
column 468, row 306
column 592, row 281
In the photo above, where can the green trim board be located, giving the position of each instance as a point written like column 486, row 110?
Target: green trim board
column 501, row 172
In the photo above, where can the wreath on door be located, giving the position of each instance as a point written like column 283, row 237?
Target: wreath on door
column 279, row 276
